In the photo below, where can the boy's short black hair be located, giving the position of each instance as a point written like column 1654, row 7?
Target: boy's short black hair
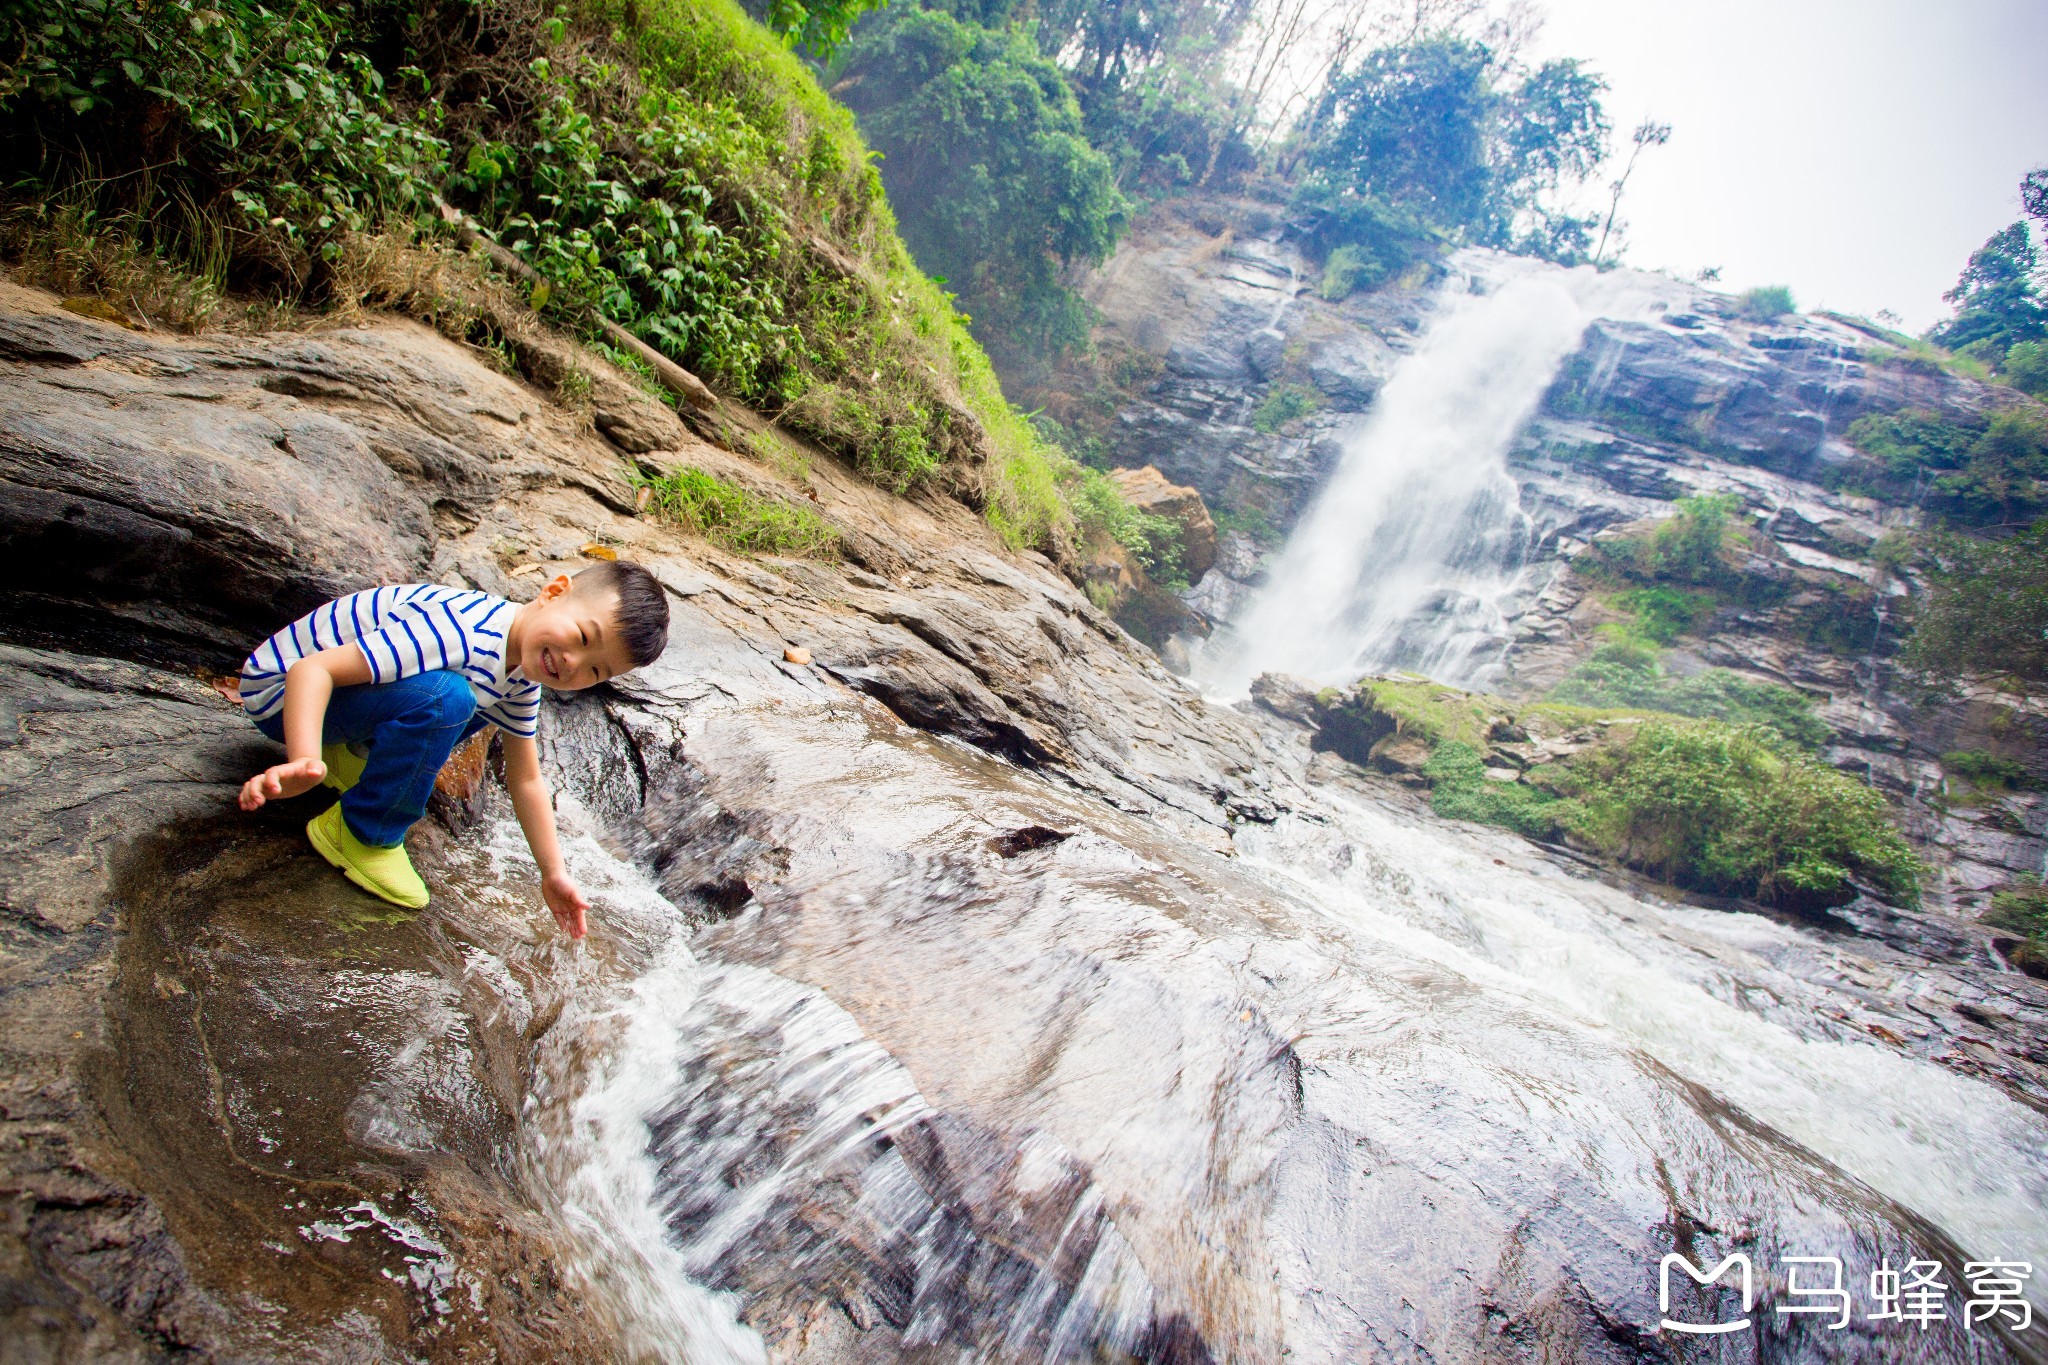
column 642, row 613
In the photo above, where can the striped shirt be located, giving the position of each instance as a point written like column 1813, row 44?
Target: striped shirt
column 403, row 630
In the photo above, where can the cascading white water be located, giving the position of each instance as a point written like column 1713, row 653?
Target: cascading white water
column 1406, row 558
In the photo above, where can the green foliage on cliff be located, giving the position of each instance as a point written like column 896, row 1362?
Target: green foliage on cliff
column 2022, row 908
column 1101, row 510
column 666, row 164
column 996, row 186
column 1627, row 674
column 1725, row 809
column 1282, row 404
column 1692, row 547
column 2026, row 367
column 1975, row 472
column 1663, row 613
column 1985, row 771
column 1986, row 611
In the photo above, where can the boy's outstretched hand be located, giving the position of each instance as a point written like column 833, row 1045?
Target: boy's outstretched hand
column 282, row 782
column 566, row 901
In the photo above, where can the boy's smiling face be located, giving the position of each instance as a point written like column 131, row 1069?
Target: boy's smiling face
column 568, row 640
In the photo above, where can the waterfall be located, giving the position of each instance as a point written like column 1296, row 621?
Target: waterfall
column 1407, row 557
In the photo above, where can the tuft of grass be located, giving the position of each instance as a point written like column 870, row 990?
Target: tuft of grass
column 736, row 517
column 1985, row 771
column 1285, row 403
column 1766, row 302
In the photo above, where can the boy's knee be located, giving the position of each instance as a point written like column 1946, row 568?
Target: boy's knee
column 447, row 696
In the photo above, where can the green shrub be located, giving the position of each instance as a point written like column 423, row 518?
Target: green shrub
column 1101, row 510
column 1662, row 613
column 1347, row 268
column 1282, row 404
column 1689, row 547
column 738, row 518
column 1976, row 472
column 2023, row 908
column 1986, row 770
column 1723, row 809
column 2026, row 367
column 1766, row 302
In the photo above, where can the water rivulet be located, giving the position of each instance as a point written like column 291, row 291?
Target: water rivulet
column 976, row 991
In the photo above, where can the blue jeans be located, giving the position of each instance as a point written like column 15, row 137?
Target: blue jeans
column 411, row 726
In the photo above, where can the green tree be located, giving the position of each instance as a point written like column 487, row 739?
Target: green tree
column 995, row 185
column 1437, row 140
column 819, row 27
column 1997, row 300
column 1986, row 611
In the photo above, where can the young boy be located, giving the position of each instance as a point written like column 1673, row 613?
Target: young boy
column 414, row 670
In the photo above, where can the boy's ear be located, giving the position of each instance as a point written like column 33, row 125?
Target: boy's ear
column 554, row 587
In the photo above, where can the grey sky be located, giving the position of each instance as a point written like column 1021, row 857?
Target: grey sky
column 1857, row 150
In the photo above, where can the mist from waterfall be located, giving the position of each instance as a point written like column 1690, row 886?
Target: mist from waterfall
column 1411, row 556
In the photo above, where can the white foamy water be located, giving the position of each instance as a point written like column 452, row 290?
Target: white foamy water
column 1406, row 559
column 1667, row 980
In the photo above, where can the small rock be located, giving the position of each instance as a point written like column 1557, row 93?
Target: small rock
column 1400, row 754
column 797, row 654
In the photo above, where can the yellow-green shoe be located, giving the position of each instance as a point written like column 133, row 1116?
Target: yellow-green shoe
column 344, row 766
column 383, row 872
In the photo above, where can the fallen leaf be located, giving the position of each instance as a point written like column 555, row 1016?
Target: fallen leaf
column 524, row 569
column 797, row 654
column 641, row 497
column 596, row 551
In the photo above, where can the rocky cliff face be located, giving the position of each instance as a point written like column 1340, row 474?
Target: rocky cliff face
column 976, row 988
column 1696, row 400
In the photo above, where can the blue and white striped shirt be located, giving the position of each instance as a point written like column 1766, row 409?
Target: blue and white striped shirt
column 402, row 630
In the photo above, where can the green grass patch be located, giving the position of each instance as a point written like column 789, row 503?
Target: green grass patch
column 736, row 517
column 1628, row 673
column 1460, row 790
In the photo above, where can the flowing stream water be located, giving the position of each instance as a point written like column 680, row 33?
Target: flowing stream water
column 1119, row 1095
column 1411, row 556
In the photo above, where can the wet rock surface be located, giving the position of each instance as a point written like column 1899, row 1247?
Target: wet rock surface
column 973, row 988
